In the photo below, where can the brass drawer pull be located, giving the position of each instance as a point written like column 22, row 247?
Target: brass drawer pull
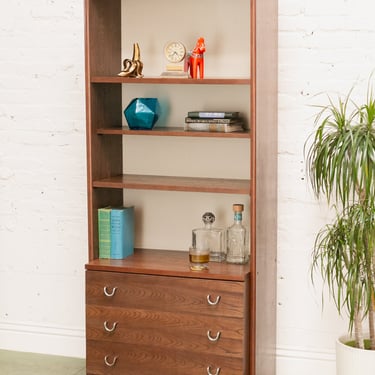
column 213, row 373
column 109, row 293
column 213, row 339
column 110, row 364
column 213, row 303
column 110, row 329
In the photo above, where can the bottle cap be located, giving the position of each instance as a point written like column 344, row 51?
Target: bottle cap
column 238, row 207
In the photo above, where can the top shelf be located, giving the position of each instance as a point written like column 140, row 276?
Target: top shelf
column 171, row 81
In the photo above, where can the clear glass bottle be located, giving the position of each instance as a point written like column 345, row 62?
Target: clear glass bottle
column 210, row 238
column 238, row 251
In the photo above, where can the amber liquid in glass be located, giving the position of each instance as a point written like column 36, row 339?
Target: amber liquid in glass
column 198, row 259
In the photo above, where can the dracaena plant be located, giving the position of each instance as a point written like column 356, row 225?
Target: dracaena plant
column 340, row 158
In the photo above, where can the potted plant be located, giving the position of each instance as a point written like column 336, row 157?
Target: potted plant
column 340, row 158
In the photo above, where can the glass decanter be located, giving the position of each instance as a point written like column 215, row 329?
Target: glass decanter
column 210, row 238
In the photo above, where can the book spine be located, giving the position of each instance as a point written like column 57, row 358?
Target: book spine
column 104, row 232
column 122, row 232
column 213, row 120
column 209, row 127
column 211, row 114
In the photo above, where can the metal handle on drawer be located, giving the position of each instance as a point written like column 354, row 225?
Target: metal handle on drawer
column 110, row 364
column 109, row 293
column 213, row 373
column 108, row 329
column 213, row 303
column 211, row 338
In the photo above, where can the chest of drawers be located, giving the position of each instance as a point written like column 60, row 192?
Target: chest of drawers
column 139, row 324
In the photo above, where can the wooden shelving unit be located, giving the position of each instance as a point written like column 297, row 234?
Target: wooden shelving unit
column 155, row 288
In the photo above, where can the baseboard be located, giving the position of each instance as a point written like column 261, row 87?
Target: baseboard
column 303, row 353
column 293, row 360
column 64, row 341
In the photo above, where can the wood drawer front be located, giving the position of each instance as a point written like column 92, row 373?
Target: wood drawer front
column 163, row 293
column 137, row 359
column 181, row 331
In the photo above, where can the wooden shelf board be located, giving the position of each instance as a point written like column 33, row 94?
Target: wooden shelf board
column 175, row 183
column 169, row 263
column 172, row 132
column 171, row 81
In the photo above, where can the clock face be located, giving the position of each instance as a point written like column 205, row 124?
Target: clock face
column 174, row 52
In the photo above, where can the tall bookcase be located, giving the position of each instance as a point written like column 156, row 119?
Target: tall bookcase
column 149, row 313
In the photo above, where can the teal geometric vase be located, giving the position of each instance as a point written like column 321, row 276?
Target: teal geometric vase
column 142, row 113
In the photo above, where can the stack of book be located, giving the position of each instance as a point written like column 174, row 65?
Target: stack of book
column 212, row 121
column 116, row 232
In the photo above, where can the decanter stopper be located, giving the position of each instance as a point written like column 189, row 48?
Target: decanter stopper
column 208, row 219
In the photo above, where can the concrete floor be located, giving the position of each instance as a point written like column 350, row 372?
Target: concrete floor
column 18, row 363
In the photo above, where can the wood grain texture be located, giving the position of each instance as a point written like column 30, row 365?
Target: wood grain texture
column 102, row 55
column 169, row 81
column 145, row 360
column 162, row 324
column 165, row 293
column 169, row 263
column 171, row 132
column 175, row 183
column 184, row 331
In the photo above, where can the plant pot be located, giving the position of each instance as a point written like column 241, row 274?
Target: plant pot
column 353, row 361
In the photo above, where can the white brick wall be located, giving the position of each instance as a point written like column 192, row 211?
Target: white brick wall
column 323, row 46
column 42, row 177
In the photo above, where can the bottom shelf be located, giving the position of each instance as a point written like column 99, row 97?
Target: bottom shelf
column 169, row 263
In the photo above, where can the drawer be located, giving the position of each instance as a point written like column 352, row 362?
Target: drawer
column 104, row 358
column 183, row 331
column 165, row 293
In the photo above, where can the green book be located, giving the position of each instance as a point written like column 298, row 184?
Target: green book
column 104, row 230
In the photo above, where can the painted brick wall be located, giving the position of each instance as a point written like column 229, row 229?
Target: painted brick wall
column 42, row 177
column 323, row 46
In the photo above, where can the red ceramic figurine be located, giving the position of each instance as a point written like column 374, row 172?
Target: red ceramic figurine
column 195, row 59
